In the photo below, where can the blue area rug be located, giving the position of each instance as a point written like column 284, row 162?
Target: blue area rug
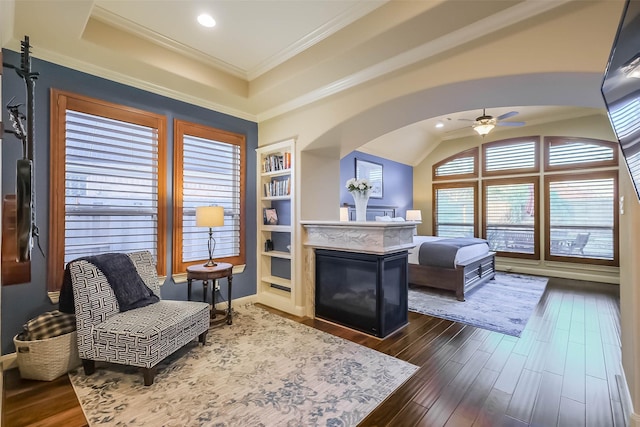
column 264, row 370
column 503, row 305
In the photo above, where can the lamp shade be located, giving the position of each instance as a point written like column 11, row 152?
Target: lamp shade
column 209, row 216
column 344, row 214
column 414, row 215
column 483, row 127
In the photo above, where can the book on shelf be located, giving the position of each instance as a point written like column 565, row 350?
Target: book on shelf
column 287, row 160
column 270, row 217
column 277, row 187
column 276, row 162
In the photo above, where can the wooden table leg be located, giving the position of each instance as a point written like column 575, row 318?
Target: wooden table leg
column 214, row 310
column 229, row 314
column 205, row 283
column 188, row 289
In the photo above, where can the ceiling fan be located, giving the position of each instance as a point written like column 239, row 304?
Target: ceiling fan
column 484, row 124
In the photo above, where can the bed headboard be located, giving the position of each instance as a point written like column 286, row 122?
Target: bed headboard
column 373, row 212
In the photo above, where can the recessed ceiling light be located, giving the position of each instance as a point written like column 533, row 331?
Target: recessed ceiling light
column 206, row 20
column 439, row 125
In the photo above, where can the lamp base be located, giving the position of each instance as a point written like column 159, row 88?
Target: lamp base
column 210, row 263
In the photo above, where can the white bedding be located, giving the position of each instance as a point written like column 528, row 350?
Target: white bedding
column 463, row 254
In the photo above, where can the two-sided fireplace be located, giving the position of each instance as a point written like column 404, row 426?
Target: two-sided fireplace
column 367, row 292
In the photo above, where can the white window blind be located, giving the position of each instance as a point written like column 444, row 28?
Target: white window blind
column 514, row 156
column 574, row 153
column 581, row 218
column 633, row 163
column 510, row 217
column 111, row 186
column 459, row 166
column 211, row 176
column 625, row 116
column 454, row 210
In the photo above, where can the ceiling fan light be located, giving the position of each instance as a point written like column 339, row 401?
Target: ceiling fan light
column 483, row 128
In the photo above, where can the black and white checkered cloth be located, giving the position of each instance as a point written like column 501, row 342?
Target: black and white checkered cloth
column 48, row 325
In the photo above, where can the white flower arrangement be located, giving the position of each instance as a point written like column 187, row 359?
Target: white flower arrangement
column 359, row 185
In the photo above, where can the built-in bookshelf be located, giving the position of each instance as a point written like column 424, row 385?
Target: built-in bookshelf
column 276, row 225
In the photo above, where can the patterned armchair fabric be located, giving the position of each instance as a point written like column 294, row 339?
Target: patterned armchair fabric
column 140, row 337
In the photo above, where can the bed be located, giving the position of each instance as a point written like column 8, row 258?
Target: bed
column 458, row 265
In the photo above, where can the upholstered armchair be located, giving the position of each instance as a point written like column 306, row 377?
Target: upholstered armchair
column 140, row 337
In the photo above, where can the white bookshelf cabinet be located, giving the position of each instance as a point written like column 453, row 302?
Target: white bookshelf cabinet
column 275, row 189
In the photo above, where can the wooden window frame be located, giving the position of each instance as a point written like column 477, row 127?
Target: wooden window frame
column 472, row 152
column 511, row 141
column 535, row 180
column 180, row 128
column 557, row 140
column 616, row 219
column 60, row 102
column 476, row 205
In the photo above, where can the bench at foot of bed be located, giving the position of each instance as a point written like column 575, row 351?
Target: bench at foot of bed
column 461, row 279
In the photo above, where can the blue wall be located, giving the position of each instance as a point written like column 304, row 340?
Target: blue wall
column 397, row 182
column 23, row 301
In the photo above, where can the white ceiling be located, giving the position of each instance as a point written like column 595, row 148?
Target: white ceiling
column 266, row 58
column 250, row 37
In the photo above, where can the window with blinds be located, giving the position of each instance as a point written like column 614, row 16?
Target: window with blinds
column 510, row 216
column 107, row 181
column 625, row 116
column 582, row 216
column 111, row 186
column 562, row 153
column 460, row 166
column 510, row 156
column 209, row 167
column 581, row 219
column 455, row 210
column 627, row 125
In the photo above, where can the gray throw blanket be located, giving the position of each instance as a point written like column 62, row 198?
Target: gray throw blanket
column 128, row 287
column 442, row 253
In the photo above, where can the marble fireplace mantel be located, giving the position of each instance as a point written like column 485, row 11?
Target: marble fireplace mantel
column 370, row 237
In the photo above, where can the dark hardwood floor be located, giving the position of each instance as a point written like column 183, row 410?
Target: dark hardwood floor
column 563, row 370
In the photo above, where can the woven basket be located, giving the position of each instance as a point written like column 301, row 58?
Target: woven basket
column 47, row 359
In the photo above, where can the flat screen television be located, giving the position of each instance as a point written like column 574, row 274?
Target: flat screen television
column 621, row 88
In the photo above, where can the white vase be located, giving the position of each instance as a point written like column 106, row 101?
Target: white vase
column 361, row 198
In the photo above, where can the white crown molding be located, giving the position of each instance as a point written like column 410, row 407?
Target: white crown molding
column 511, row 16
column 456, row 38
column 131, row 27
column 357, row 11
column 75, row 64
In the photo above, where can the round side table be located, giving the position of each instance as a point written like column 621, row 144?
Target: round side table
column 206, row 274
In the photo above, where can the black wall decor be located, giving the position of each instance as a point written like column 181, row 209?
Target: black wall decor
column 26, row 227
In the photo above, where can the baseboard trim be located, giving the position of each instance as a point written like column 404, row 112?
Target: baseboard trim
column 250, row 299
column 9, row 361
column 572, row 275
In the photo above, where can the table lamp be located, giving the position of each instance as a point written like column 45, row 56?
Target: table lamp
column 210, row 216
column 414, row 215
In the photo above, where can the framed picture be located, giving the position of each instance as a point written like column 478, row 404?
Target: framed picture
column 270, row 216
column 372, row 172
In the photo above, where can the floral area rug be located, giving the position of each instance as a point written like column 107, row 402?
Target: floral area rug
column 264, row 370
column 501, row 305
